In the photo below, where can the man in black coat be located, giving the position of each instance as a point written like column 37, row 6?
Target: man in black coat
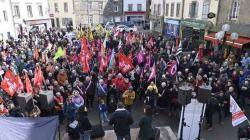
column 121, row 119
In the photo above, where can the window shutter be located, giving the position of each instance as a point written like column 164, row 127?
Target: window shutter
column 190, row 10
column 196, row 10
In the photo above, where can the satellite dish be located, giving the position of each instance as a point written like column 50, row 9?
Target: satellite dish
column 210, row 15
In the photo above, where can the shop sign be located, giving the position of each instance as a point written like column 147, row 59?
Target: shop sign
column 194, row 24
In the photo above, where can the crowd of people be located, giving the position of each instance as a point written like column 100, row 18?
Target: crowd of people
column 115, row 69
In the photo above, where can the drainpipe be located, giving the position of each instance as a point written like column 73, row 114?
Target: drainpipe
column 163, row 17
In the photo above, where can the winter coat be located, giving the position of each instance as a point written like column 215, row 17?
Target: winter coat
column 129, row 96
column 146, row 130
column 101, row 90
column 121, row 119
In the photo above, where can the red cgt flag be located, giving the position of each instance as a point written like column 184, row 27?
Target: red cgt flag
column 125, row 64
column 19, row 83
column 9, row 84
column 28, row 84
column 38, row 79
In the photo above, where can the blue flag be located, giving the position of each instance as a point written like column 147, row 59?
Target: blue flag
column 111, row 61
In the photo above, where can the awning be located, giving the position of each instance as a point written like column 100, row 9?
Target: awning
column 237, row 43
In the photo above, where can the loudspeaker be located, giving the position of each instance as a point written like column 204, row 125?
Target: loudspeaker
column 184, row 95
column 25, row 101
column 204, row 94
column 46, row 99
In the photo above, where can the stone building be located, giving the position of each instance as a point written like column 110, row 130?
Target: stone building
column 113, row 11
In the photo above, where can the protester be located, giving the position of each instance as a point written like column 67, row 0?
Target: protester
column 121, row 119
column 129, row 96
column 103, row 109
column 146, row 131
column 84, row 125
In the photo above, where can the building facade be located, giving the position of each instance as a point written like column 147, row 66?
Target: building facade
column 6, row 20
column 172, row 15
column 113, row 11
column 20, row 17
column 156, row 16
column 135, row 10
column 195, row 22
column 236, row 13
column 30, row 14
column 89, row 12
column 62, row 13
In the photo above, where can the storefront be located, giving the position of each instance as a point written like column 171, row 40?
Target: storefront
column 172, row 28
column 135, row 16
column 41, row 24
column 156, row 23
column 241, row 45
column 193, row 31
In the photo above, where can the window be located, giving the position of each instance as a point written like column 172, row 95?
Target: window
column 205, row 10
column 116, row 8
column 66, row 21
column 235, row 10
column 65, row 7
column 193, row 9
column 130, row 7
column 40, row 10
column 56, row 7
column 167, row 9
column 139, row 7
column 155, row 10
column 89, row 5
column 5, row 16
column 178, row 7
column 159, row 9
column 172, row 10
column 90, row 19
column 16, row 11
column 100, row 5
column 29, row 9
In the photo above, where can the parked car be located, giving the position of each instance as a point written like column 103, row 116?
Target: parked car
column 109, row 25
column 121, row 28
column 131, row 28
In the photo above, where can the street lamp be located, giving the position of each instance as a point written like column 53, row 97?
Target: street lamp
column 222, row 35
column 226, row 27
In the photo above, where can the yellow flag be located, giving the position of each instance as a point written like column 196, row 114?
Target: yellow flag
column 59, row 53
column 91, row 37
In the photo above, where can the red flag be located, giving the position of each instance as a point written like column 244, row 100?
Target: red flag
column 36, row 54
column 103, row 63
column 153, row 73
column 200, row 52
column 85, row 50
column 172, row 67
column 125, row 64
column 8, row 84
column 28, row 84
column 38, row 78
column 85, row 65
column 19, row 82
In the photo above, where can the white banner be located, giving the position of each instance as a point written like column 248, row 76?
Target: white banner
column 238, row 115
column 192, row 118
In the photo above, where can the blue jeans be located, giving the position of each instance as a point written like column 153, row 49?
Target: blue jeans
column 104, row 117
column 85, row 136
column 126, row 137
